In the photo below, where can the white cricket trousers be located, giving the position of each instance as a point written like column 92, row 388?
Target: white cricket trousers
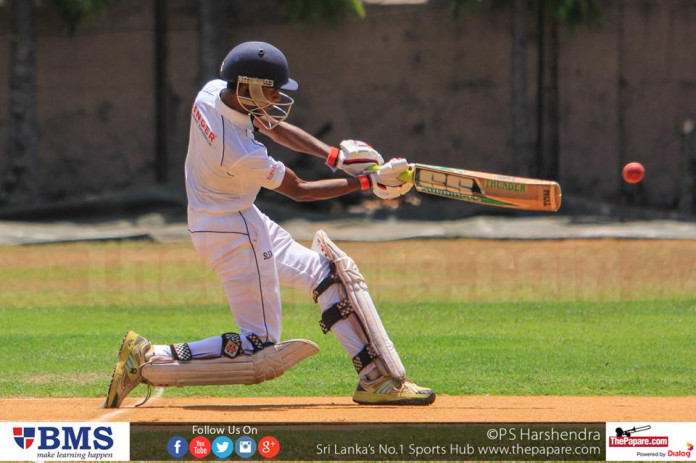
column 253, row 257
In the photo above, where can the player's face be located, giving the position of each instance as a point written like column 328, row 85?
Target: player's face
column 272, row 94
column 269, row 105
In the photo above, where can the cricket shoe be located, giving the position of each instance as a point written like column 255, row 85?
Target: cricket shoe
column 390, row 391
column 126, row 375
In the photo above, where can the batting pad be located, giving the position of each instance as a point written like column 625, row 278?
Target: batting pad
column 266, row 364
column 364, row 309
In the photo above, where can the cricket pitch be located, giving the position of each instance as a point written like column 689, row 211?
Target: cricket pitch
column 446, row 409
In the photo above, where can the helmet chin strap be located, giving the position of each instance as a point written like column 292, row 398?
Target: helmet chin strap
column 269, row 114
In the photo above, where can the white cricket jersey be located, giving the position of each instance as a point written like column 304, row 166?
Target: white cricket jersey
column 225, row 166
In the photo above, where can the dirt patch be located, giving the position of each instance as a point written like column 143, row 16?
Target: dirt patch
column 450, row 409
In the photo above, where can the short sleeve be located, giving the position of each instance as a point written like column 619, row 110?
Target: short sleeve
column 261, row 169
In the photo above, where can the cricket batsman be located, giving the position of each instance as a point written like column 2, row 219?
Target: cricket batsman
column 226, row 166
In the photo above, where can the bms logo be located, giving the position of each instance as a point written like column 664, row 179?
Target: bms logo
column 24, row 437
column 65, row 438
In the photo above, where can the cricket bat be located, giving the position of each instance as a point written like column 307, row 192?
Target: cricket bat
column 485, row 188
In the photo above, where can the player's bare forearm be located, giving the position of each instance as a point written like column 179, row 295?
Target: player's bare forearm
column 296, row 139
column 301, row 190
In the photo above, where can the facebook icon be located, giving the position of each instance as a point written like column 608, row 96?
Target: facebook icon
column 177, row 447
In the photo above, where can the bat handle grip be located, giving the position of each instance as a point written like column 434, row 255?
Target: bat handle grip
column 406, row 177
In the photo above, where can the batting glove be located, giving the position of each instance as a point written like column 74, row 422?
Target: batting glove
column 353, row 157
column 385, row 182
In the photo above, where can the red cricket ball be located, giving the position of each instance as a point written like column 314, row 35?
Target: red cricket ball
column 633, row 172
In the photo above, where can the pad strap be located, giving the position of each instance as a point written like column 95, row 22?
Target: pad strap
column 181, row 351
column 364, row 358
column 256, row 342
column 331, row 279
column 335, row 314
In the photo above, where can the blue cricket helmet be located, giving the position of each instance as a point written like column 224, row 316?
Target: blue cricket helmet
column 258, row 60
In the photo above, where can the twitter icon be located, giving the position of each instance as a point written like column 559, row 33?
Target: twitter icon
column 223, row 447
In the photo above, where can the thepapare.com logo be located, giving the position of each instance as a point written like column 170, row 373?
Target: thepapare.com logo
column 62, row 441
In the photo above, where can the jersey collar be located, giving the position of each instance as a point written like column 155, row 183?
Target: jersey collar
column 242, row 121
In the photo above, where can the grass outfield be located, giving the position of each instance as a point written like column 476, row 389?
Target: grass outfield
column 468, row 316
